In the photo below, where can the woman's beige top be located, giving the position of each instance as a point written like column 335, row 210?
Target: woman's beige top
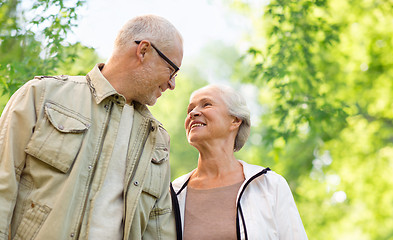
column 211, row 213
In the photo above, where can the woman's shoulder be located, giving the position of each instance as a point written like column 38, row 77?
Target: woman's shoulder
column 271, row 177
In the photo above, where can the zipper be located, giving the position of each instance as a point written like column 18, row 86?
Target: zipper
column 239, row 207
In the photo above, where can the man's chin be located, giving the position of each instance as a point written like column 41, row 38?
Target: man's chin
column 151, row 102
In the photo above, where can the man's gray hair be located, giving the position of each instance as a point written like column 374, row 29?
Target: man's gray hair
column 237, row 107
column 153, row 28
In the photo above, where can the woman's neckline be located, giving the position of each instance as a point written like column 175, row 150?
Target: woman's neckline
column 217, row 188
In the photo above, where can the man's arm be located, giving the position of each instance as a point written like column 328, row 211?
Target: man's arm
column 16, row 126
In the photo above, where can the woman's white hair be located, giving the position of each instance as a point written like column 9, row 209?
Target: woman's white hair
column 154, row 28
column 237, row 107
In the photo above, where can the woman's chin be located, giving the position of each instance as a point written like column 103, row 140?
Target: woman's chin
column 194, row 141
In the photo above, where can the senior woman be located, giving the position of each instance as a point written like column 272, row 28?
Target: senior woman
column 226, row 198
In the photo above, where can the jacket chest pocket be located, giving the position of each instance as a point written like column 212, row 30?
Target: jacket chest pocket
column 158, row 169
column 58, row 137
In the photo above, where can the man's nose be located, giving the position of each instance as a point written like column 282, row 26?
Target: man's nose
column 171, row 83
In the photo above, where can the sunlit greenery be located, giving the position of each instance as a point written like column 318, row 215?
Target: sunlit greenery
column 324, row 69
column 33, row 42
column 323, row 73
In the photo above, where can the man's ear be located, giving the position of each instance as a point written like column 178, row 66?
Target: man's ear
column 142, row 49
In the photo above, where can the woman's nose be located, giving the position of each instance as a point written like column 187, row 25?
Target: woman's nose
column 194, row 113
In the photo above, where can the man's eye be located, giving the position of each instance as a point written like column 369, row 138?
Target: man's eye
column 207, row 104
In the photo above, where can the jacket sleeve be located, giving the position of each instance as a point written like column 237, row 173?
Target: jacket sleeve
column 289, row 223
column 16, row 126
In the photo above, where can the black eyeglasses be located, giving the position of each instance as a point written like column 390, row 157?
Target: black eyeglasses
column 175, row 68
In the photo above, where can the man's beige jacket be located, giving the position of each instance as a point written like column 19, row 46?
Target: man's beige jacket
column 53, row 132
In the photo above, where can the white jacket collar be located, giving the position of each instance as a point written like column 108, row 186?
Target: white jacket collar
column 250, row 170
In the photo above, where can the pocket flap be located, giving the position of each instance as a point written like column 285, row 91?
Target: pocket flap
column 160, row 155
column 65, row 121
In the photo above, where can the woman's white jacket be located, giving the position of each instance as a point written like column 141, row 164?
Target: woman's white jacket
column 265, row 205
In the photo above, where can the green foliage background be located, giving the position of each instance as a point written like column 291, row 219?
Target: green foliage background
column 322, row 70
column 33, row 42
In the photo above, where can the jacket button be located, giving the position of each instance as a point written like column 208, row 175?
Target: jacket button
column 136, row 183
column 61, row 127
column 72, row 235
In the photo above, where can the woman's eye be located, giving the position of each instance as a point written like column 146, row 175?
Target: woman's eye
column 207, row 104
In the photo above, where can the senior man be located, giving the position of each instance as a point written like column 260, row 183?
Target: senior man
column 81, row 157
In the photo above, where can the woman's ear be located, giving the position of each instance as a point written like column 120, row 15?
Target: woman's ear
column 236, row 122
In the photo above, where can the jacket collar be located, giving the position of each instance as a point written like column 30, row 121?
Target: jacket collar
column 249, row 171
column 101, row 89
column 181, row 181
column 99, row 85
column 144, row 111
